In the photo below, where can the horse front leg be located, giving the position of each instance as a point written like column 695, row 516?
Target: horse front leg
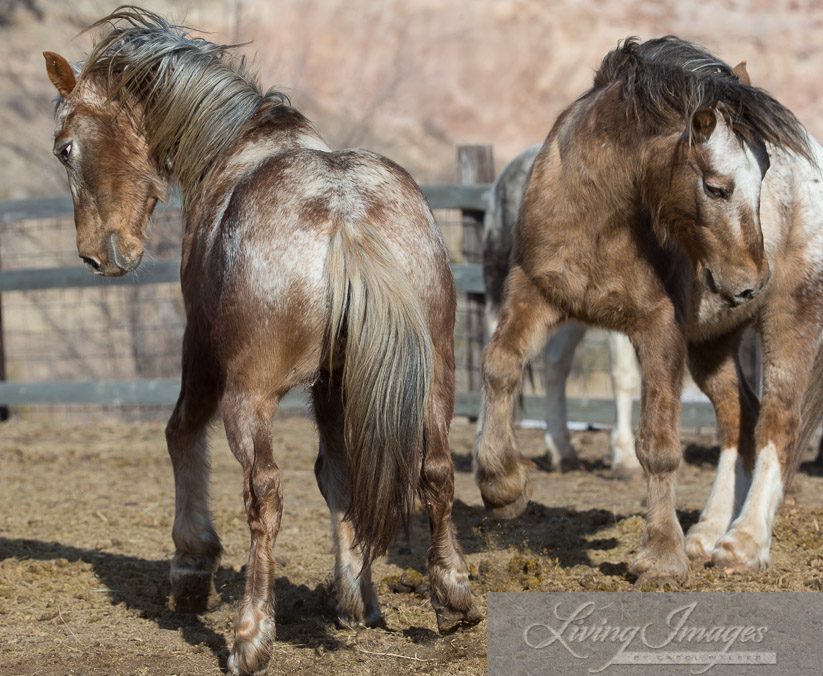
column 662, row 353
column 247, row 418
column 500, row 472
column 559, row 358
column 790, row 331
column 197, row 547
column 715, row 370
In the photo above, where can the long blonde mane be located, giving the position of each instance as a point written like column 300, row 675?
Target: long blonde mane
column 194, row 96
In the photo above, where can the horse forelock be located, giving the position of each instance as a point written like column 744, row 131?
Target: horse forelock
column 194, row 97
column 667, row 80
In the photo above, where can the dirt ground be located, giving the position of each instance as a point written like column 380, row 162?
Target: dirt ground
column 85, row 522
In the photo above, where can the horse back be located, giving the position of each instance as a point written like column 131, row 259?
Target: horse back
column 258, row 265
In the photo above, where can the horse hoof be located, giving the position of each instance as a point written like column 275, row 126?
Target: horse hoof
column 659, row 568
column 253, row 643
column 569, row 464
column 450, row 620
column 346, row 621
column 630, row 474
column 701, row 540
column 656, row 583
column 193, row 593
column 513, row 509
column 738, row 551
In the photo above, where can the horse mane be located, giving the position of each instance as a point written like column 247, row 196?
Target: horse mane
column 195, row 97
column 667, row 80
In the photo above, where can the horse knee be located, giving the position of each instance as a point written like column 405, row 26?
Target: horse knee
column 266, row 482
column 658, row 456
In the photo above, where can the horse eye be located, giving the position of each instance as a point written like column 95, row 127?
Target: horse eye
column 64, row 152
column 717, row 191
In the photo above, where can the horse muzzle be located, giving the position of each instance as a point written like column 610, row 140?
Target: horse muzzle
column 123, row 254
column 735, row 294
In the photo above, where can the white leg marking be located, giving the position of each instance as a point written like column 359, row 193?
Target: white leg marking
column 625, row 380
column 723, row 503
column 747, row 543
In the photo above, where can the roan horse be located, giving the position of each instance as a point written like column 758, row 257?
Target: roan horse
column 300, row 266
column 650, row 211
column 505, row 197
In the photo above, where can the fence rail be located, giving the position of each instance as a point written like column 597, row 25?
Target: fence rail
column 468, row 199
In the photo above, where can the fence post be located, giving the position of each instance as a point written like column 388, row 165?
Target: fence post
column 475, row 164
column 4, row 410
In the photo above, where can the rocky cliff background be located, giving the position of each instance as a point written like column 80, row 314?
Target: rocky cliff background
column 412, row 79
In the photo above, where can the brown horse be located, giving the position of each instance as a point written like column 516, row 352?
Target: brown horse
column 644, row 213
column 300, row 266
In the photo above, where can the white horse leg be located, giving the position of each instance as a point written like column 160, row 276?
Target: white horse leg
column 747, row 544
column 625, row 381
column 559, row 357
column 731, row 484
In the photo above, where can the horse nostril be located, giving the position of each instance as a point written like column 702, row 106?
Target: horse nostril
column 744, row 296
column 747, row 294
column 93, row 263
column 709, row 280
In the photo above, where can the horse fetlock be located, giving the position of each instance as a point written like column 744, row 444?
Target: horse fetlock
column 370, row 616
column 451, row 618
column 506, row 496
column 559, row 451
column 627, row 472
column 659, row 566
column 253, row 643
column 740, row 551
column 622, row 450
column 357, row 604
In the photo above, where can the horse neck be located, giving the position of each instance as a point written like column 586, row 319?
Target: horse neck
column 605, row 153
column 273, row 130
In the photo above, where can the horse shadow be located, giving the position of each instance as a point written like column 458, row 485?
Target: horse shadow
column 698, row 455
column 558, row 533
column 302, row 615
column 463, row 463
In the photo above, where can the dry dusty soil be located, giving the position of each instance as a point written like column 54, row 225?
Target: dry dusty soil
column 85, row 521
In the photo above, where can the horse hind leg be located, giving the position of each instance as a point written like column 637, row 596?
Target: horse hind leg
column 197, row 546
column 357, row 603
column 625, row 379
column 500, row 472
column 559, row 357
column 247, row 420
column 780, row 431
column 451, row 596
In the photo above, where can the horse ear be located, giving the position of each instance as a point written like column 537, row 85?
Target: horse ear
column 60, row 73
column 703, row 124
column 742, row 73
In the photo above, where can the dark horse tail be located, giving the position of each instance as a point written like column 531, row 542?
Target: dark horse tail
column 378, row 325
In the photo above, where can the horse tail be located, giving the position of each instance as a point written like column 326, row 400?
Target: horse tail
column 811, row 415
column 377, row 324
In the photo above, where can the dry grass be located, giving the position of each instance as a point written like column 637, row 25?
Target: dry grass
column 85, row 543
